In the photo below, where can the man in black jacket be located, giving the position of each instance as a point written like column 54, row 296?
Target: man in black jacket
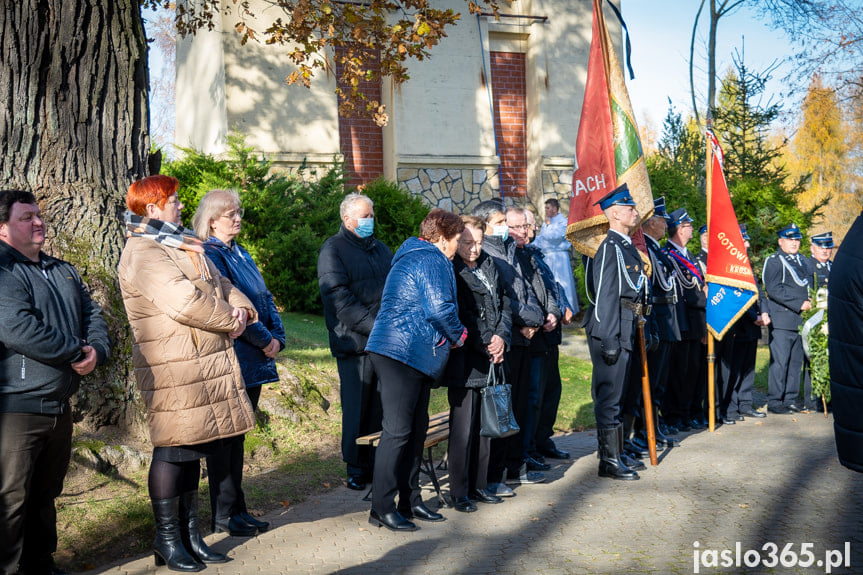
column 352, row 270
column 542, row 283
column 51, row 334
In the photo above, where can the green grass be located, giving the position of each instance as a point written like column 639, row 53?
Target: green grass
column 762, row 361
column 576, row 406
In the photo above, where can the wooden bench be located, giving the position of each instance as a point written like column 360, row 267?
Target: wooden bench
column 438, row 432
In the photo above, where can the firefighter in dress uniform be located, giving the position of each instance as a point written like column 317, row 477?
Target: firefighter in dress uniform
column 619, row 290
column 662, row 321
column 787, row 279
column 684, row 395
column 821, row 248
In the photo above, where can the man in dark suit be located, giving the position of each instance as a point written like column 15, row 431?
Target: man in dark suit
column 620, row 288
column 681, row 409
column 787, row 279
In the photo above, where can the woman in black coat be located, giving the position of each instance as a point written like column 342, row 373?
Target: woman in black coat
column 484, row 310
column 845, row 320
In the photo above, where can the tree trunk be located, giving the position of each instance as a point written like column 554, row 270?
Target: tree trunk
column 74, row 122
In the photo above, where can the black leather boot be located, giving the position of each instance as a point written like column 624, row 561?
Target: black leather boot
column 168, row 546
column 192, row 539
column 661, row 438
column 610, row 464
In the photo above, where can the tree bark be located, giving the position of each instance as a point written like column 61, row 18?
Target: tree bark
column 74, row 119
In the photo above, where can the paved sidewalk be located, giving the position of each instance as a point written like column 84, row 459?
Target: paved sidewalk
column 775, row 480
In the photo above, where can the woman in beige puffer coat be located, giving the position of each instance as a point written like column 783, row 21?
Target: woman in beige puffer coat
column 184, row 316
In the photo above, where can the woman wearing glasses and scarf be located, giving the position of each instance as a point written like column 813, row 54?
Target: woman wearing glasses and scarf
column 184, row 316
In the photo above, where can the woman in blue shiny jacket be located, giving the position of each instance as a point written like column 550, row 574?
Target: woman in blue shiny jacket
column 409, row 346
column 217, row 221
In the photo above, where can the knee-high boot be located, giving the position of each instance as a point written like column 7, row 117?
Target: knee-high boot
column 609, row 455
column 190, row 532
column 629, row 446
column 168, row 546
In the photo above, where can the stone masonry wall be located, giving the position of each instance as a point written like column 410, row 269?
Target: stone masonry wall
column 453, row 189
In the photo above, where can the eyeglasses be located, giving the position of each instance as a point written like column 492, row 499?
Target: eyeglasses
column 521, row 227
column 238, row 213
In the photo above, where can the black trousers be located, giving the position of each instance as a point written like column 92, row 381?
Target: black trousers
column 405, row 401
column 682, row 380
column 632, row 396
column 550, row 400
column 700, row 405
column 361, row 411
column 225, row 472
column 508, row 453
column 34, row 457
column 607, row 385
column 737, row 360
column 809, row 402
column 467, row 457
column 535, row 397
column 658, row 367
column 786, row 366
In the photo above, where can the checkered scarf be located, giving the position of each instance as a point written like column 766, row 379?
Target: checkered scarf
column 166, row 233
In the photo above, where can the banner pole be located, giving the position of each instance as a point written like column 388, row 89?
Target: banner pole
column 649, row 423
column 711, row 384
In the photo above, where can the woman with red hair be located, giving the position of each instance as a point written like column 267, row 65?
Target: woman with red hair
column 184, row 316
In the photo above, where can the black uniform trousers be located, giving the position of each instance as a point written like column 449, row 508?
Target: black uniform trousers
column 607, row 385
column 225, row 472
column 786, row 367
column 809, row 402
column 508, row 452
column 550, row 400
column 468, row 452
column 700, row 405
column 658, row 366
column 405, row 401
column 361, row 411
column 34, row 456
column 682, row 381
column 737, row 360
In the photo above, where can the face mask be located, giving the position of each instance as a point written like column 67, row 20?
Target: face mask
column 365, row 227
column 500, row 231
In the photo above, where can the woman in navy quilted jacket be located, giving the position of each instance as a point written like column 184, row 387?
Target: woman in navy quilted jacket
column 409, row 346
column 217, row 221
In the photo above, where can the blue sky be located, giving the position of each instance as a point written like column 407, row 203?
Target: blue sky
column 660, row 32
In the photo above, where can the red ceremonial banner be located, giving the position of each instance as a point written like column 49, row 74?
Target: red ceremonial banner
column 594, row 174
column 608, row 150
column 727, row 261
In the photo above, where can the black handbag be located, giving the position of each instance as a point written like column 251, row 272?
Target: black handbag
column 496, row 416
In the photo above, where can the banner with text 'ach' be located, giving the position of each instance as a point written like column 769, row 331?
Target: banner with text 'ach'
column 731, row 287
column 608, row 150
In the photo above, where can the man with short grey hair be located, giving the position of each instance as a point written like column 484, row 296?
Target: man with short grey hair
column 352, row 269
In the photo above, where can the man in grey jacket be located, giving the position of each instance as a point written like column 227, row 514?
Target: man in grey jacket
column 51, row 334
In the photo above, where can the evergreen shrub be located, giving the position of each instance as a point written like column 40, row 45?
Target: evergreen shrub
column 288, row 216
